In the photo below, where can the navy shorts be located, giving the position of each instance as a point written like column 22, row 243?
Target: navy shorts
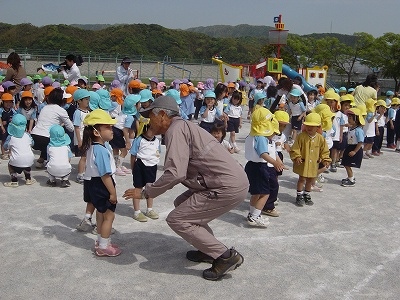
column 19, row 170
column 343, row 144
column 233, row 125
column 207, row 126
column 354, row 161
column 143, row 174
column 95, row 192
column 262, row 178
column 369, row 140
column 118, row 141
column 296, row 124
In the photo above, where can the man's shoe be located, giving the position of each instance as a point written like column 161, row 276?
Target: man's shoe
column 221, row 266
column 300, row 200
column 198, row 256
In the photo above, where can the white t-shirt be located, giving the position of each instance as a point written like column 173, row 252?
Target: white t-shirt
column 369, row 128
column 58, row 164
column 21, row 154
column 52, row 114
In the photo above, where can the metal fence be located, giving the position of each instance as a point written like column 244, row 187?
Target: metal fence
column 164, row 68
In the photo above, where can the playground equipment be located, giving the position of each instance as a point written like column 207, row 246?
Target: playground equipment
column 228, row 73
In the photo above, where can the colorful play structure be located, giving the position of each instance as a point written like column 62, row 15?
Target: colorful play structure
column 278, row 37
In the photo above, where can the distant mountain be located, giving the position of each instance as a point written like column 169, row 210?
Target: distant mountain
column 349, row 40
column 94, row 27
column 242, row 30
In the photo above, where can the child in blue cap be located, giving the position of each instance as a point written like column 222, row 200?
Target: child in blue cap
column 58, row 157
column 19, row 143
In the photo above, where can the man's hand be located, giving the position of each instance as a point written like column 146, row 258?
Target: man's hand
column 132, row 194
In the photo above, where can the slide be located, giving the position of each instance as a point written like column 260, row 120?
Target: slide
column 290, row 73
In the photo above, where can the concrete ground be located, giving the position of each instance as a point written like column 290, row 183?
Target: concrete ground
column 346, row 246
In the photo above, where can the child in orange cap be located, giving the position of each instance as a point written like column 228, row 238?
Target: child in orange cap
column 308, row 150
column 7, row 111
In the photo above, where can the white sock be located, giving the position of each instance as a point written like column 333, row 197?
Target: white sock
column 98, row 238
column 88, row 216
column 351, row 179
column 136, row 213
column 254, row 211
column 103, row 243
column 149, row 209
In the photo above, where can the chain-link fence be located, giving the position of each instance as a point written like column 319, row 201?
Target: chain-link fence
column 163, row 68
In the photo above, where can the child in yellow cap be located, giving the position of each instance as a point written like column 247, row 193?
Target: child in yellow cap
column 391, row 117
column 353, row 154
column 381, row 108
column 262, row 165
column 308, row 150
column 99, row 184
column 369, row 127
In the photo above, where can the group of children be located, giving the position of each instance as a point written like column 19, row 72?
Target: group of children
column 108, row 125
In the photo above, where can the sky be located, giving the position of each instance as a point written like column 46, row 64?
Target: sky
column 375, row 17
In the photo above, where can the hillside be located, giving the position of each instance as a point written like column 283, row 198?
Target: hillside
column 242, row 30
column 148, row 41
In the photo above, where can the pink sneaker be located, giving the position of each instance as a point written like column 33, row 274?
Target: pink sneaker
column 109, row 251
column 119, row 172
column 96, row 245
column 126, row 170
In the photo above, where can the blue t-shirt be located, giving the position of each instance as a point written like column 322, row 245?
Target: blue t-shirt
column 260, row 145
column 391, row 114
column 102, row 159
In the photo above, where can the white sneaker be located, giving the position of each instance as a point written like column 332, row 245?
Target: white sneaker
column 257, row 222
column 85, row 226
column 321, row 178
column 236, row 150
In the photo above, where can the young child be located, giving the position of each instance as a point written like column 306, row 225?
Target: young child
column 19, row 143
column 296, row 110
column 219, row 132
column 308, row 150
column 28, row 109
column 145, row 155
column 312, row 100
column 262, row 165
column 81, row 97
column 58, row 157
column 121, row 141
column 328, row 132
column 353, row 154
column 272, row 91
column 380, row 118
column 332, row 100
column 390, row 122
column 99, row 185
column 209, row 112
column 369, row 128
column 6, row 113
column 389, row 97
column 234, row 112
column 280, row 138
column 346, row 101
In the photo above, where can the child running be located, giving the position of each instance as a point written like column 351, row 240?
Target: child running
column 145, row 155
column 19, row 143
column 99, row 184
column 353, row 154
column 262, row 165
column 308, row 150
